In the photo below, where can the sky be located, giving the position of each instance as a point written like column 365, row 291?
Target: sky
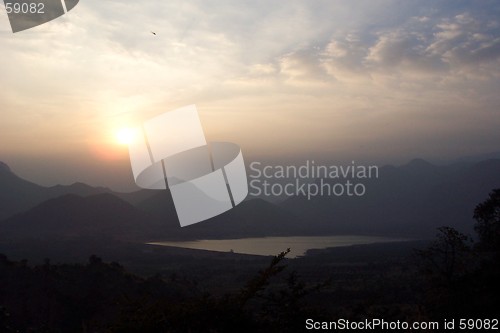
column 371, row 81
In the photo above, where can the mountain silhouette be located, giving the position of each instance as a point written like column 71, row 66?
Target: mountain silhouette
column 18, row 195
column 152, row 215
column 69, row 216
column 412, row 200
column 251, row 218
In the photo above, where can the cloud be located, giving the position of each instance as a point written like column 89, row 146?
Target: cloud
column 443, row 46
column 333, row 75
column 302, row 66
column 347, row 52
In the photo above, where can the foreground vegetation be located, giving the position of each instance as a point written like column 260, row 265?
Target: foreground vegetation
column 453, row 276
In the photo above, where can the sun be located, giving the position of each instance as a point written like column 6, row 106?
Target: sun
column 126, row 136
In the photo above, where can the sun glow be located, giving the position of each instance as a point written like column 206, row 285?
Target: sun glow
column 126, row 136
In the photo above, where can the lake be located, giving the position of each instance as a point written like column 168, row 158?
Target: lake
column 274, row 245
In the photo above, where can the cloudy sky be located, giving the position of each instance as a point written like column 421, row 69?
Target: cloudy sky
column 372, row 81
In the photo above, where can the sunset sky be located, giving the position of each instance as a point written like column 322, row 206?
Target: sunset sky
column 373, row 81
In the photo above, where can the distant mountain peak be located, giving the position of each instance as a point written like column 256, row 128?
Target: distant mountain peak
column 480, row 157
column 419, row 162
column 80, row 185
column 72, row 215
column 4, row 167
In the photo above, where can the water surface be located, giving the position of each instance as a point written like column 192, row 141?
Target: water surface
column 274, row 245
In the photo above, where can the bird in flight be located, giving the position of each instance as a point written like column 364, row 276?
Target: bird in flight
column 154, row 33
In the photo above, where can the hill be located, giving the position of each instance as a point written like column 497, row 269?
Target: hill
column 18, row 195
column 411, row 200
column 251, row 218
column 72, row 216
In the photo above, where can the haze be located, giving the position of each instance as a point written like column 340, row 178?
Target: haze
column 374, row 81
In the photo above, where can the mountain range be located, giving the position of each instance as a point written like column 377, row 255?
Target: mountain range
column 411, row 200
column 36, row 212
column 18, row 195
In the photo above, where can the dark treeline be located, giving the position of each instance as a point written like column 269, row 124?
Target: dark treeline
column 104, row 297
column 453, row 277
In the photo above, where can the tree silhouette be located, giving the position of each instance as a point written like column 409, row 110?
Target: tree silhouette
column 448, row 257
column 461, row 278
column 261, row 280
column 487, row 215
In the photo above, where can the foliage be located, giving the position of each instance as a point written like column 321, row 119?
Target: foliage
column 455, row 277
column 104, row 297
column 462, row 277
column 487, row 215
column 448, row 257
